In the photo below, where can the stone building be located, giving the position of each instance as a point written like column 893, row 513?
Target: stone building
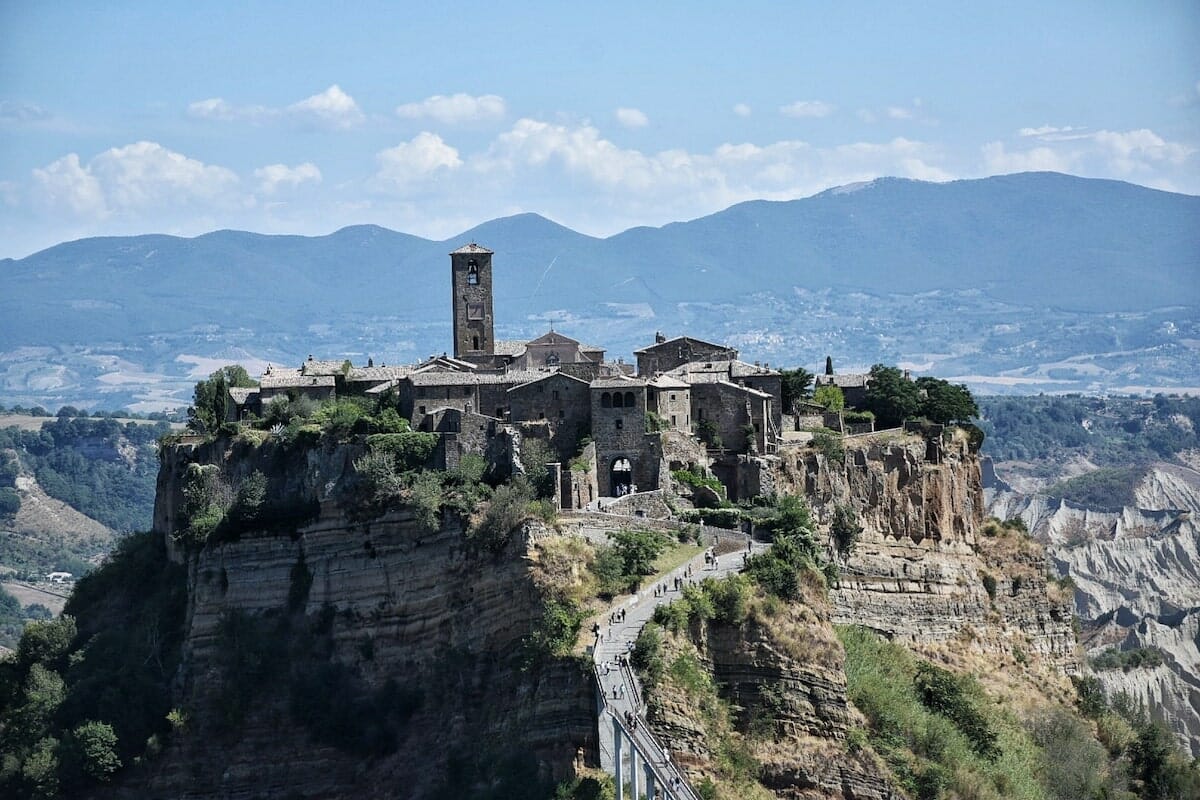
column 667, row 354
column 490, row 395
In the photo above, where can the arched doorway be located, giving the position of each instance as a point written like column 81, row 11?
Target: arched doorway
column 621, row 477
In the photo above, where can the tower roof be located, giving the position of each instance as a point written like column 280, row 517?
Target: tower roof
column 471, row 248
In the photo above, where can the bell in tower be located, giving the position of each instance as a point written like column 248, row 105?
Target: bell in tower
column 471, row 285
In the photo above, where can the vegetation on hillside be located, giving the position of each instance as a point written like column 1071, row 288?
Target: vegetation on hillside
column 1107, row 431
column 89, row 693
column 100, row 467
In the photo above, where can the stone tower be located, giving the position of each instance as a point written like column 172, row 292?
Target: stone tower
column 471, row 284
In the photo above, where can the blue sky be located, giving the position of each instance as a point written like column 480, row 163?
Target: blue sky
column 121, row 118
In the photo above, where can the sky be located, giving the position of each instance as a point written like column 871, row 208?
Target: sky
column 124, row 118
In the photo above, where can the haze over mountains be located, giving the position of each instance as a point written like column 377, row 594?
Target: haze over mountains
column 1033, row 282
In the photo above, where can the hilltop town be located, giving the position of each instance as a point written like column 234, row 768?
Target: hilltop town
column 685, row 403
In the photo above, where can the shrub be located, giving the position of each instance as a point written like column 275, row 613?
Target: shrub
column 845, row 528
column 655, row 423
column 943, row 692
column 646, row 657
column 609, row 568
column 509, row 507
column 829, row 445
column 410, row 450
column 638, row 550
column 557, row 630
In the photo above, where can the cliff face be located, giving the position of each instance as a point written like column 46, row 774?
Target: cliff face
column 381, row 608
column 781, row 681
column 926, row 570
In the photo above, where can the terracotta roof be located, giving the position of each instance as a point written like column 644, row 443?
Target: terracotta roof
column 471, row 248
column 295, row 381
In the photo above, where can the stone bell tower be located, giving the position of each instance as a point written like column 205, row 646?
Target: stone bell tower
column 471, row 285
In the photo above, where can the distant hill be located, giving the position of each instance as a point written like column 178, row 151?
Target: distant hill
column 1034, row 241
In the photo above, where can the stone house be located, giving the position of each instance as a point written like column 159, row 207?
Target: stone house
column 853, row 386
column 667, row 354
column 562, row 401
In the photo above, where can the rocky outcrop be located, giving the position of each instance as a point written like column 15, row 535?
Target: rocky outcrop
column 1171, row 690
column 382, row 600
column 924, row 569
column 1135, row 572
column 781, row 673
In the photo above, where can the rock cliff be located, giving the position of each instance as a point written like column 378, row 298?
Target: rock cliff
column 379, row 609
column 926, row 569
column 1136, row 577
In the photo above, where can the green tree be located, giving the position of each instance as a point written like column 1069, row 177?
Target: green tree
column 828, row 365
column 945, row 402
column 891, row 396
column 210, row 396
column 637, row 550
column 830, row 396
column 90, row 751
column 794, row 386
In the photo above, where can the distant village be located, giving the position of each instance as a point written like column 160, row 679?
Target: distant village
column 686, row 402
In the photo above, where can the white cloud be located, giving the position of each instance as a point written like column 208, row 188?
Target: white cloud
column 806, row 108
column 13, row 111
column 273, row 176
column 139, row 176
column 866, row 115
column 1132, row 149
column 632, row 118
column 1132, row 153
column 411, row 162
column 1046, row 130
column 456, row 109
column 896, row 112
column 65, row 184
column 742, row 110
column 332, row 107
column 998, row 161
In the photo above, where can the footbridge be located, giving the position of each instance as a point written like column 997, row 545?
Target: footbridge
column 629, row 751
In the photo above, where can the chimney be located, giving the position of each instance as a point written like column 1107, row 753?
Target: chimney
column 659, row 338
column 370, row 361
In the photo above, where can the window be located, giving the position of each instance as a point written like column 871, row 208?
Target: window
column 421, row 410
column 629, row 400
column 562, row 414
column 466, row 391
column 672, row 397
column 474, row 342
column 541, row 415
column 474, row 311
column 552, row 360
column 472, row 273
column 620, row 423
column 554, row 394
column 617, row 401
column 606, row 400
column 673, row 425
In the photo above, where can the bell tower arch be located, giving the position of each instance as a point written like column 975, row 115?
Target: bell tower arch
column 471, row 289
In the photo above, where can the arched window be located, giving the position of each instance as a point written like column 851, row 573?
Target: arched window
column 472, row 273
column 606, row 400
column 629, row 400
column 552, row 359
column 617, row 400
column 474, row 342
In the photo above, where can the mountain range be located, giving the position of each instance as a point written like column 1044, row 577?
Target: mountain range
column 1038, row 281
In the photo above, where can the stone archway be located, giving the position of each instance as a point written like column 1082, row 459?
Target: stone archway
column 621, row 477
